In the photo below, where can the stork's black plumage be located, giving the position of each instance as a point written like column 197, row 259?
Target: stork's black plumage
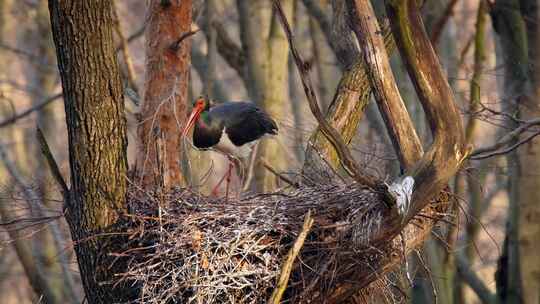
column 232, row 127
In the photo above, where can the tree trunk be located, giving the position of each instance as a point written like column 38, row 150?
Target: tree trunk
column 268, row 79
column 50, row 254
column 529, row 158
column 349, row 102
column 510, row 27
column 94, row 105
column 275, row 102
column 163, row 112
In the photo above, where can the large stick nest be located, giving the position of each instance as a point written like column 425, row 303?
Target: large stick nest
column 198, row 250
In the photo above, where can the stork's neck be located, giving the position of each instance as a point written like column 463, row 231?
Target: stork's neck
column 204, row 120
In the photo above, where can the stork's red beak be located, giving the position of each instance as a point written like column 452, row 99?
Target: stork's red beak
column 195, row 113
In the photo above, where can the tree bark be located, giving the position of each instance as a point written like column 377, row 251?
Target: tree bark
column 406, row 144
column 163, row 112
column 349, row 102
column 51, row 255
column 94, row 105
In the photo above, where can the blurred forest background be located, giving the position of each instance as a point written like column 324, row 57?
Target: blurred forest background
column 488, row 50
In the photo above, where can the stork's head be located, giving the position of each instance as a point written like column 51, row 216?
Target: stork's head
column 200, row 105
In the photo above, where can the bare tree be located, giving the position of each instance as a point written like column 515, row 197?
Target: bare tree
column 97, row 138
column 83, row 35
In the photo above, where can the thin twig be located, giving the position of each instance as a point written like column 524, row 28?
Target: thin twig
column 347, row 161
column 176, row 45
column 55, row 170
column 507, row 150
column 289, row 261
column 130, row 70
column 250, row 168
column 279, row 175
column 486, row 152
column 31, row 110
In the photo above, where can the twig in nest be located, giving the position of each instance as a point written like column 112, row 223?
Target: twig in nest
column 347, row 161
column 289, row 261
column 279, row 175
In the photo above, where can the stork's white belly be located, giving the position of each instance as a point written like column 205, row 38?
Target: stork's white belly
column 226, row 146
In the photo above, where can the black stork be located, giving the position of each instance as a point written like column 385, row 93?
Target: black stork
column 232, row 128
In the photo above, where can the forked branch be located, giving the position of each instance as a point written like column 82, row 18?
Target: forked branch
column 392, row 108
column 447, row 151
column 348, row 162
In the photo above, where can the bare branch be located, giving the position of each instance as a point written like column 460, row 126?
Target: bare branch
column 447, row 151
column 508, row 138
column 52, row 163
column 229, row 50
column 439, row 26
column 31, row 110
column 398, row 122
column 476, row 284
column 507, row 150
column 130, row 70
column 29, row 55
column 332, row 135
column 176, row 45
column 279, row 175
column 317, row 12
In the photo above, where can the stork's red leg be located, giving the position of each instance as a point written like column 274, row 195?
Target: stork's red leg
column 227, row 178
column 214, row 191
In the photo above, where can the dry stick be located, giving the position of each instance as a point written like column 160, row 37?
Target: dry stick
column 507, row 150
column 347, row 161
column 289, row 261
column 27, row 112
column 250, row 168
column 279, row 175
column 57, row 175
column 176, row 45
column 506, row 139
